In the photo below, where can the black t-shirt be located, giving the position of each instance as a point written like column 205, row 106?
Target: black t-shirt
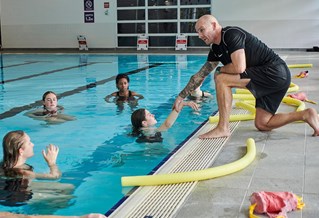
column 234, row 38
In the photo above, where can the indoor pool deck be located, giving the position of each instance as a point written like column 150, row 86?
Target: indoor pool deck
column 286, row 160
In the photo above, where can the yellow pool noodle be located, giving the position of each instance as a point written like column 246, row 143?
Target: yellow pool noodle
column 210, row 173
column 295, row 102
column 243, row 96
column 233, row 117
column 239, row 117
column 247, row 106
column 299, row 65
column 292, row 88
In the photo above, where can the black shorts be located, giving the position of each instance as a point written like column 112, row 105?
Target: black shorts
column 269, row 84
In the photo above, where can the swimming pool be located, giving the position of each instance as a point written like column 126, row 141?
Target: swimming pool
column 96, row 149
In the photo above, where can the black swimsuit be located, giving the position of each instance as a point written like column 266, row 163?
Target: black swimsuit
column 123, row 98
column 157, row 137
column 15, row 190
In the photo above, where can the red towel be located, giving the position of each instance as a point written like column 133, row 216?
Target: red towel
column 274, row 204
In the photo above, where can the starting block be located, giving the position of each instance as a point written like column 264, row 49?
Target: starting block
column 82, row 43
column 142, row 42
column 181, row 42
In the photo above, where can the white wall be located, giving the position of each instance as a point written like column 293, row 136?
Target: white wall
column 279, row 23
column 56, row 24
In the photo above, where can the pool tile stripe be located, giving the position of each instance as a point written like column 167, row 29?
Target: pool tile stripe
column 46, row 73
column 21, row 64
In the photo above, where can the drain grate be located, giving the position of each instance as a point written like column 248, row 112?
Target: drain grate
column 163, row 201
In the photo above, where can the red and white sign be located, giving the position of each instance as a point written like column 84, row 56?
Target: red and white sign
column 181, row 42
column 142, row 42
column 82, row 42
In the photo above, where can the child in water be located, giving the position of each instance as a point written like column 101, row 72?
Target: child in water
column 51, row 111
column 123, row 94
column 143, row 123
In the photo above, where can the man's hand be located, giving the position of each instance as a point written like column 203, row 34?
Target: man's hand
column 191, row 104
column 178, row 104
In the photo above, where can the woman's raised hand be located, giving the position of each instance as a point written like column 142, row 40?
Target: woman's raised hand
column 50, row 154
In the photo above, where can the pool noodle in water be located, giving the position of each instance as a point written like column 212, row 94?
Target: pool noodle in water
column 198, row 175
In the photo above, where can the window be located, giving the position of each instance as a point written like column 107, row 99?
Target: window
column 131, row 28
column 132, row 14
column 130, row 3
column 169, row 27
column 160, row 20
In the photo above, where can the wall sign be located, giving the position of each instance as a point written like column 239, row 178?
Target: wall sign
column 88, row 5
column 88, row 17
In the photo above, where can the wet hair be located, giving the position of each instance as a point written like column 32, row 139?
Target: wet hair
column 121, row 76
column 14, row 188
column 15, row 192
column 11, row 144
column 46, row 93
column 137, row 117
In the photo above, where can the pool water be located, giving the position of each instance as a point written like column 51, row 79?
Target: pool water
column 96, row 149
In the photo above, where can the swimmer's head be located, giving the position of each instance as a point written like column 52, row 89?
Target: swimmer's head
column 122, row 81
column 15, row 144
column 122, row 76
column 50, row 100
column 142, row 118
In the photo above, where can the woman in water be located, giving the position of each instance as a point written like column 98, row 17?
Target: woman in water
column 51, row 111
column 16, row 176
column 17, row 149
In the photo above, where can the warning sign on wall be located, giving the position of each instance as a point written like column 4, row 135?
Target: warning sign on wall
column 88, row 5
column 142, row 42
column 181, row 42
column 82, row 42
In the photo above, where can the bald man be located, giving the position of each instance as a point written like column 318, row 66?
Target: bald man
column 247, row 63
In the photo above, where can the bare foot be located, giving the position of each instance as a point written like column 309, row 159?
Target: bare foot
column 311, row 117
column 215, row 133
